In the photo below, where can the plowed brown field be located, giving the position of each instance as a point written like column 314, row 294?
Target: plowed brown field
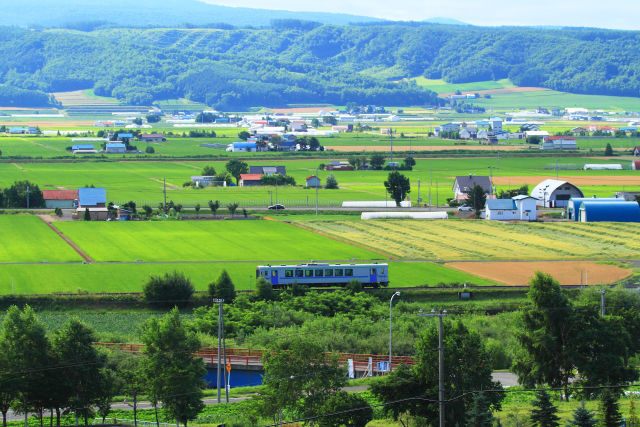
column 565, row 272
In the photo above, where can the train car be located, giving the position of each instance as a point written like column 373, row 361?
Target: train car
column 282, row 276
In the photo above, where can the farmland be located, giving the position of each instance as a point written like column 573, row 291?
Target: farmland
column 476, row 240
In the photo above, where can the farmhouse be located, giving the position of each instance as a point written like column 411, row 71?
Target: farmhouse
column 116, row 148
column 152, row 137
column 610, row 211
column 518, row 208
column 339, row 166
column 268, row 170
column 243, row 147
column 469, row 133
column 249, row 179
column 463, row 185
column 553, row 193
column 124, row 136
column 448, row 127
column 559, row 143
column 496, row 124
column 60, row 198
column 575, row 203
column 94, row 200
column 313, row 182
column 542, row 134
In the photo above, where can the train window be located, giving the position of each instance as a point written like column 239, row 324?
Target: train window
column 308, row 273
column 288, row 273
column 382, row 272
column 299, row 273
column 348, row 272
column 319, row 273
column 339, row 272
column 274, row 273
column 328, row 273
column 373, row 271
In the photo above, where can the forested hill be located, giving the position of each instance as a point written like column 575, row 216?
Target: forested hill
column 295, row 62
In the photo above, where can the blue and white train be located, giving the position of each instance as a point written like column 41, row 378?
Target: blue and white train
column 282, row 276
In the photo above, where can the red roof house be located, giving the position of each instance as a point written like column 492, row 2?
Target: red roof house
column 59, row 198
column 248, row 179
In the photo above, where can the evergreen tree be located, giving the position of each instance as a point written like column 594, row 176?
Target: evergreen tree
column 583, row 418
column 264, row 290
column 609, row 409
column 480, row 414
column 543, row 413
column 87, row 214
column 633, row 420
column 223, row 288
column 608, row 151
column 331, row 183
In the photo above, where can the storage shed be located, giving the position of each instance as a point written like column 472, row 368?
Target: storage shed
column 553, row 193
column 116, row 148
column 575, row 203
column 313, row 182
column 249, row 179
column 59, row 198
column 610, row 211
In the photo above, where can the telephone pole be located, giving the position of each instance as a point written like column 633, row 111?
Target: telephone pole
column 603, row 308
column 164, row 191
column 440, row 314
column 27, row 197
column 219, row 301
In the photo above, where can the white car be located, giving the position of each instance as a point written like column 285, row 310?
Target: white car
column 465, row 209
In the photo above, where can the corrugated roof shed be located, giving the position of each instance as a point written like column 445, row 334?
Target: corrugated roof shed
column 60, row 194
column 250, row 176
column 501, row 204
column 611, row 211
column 91, row 196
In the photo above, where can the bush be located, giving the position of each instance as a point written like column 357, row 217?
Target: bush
column 58, row 211
column 149, row 150
column 332, row 183
column 264, row 290
column 354, row 286
column 172, row 289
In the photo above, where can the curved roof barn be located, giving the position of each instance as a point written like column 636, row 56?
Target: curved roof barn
column 555, row 193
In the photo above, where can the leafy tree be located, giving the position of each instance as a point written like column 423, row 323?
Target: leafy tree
column 409, row 162
column 314, row 144
column 84, row 379
column 264, row 290
column 232, row 208
column 171, row 289
column 133, row 381
column 16, row 195
column 174, row 374
column 544, row 413
column 377, row 161
column 397, row 186
column 402, row 387
column 244, row 135
column 237, row 168
column 354, row 286
column 149, row 149
column 546, row 356
column 208, row 171
column 223, row 287
column 351, row 411
column 300, row 379
column 148, row 210
column 608, row 151
column 87, row 215
column 214, row 206
column 534, row 139
column 8, row 389
column 131, row 206
column 477, row 198
column 197, row 207
column 583, row 418
column 331, row 183
column 480, row 414
column 153, row 118
column 609, row 410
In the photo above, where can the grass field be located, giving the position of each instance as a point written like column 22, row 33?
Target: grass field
column 551, row 98
column 440, row 86
column 475, row 240
column 26, row 238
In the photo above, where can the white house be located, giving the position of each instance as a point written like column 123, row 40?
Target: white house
column 496, row 124
column 519, row 208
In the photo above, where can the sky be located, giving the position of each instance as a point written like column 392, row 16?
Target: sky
column 619, row 14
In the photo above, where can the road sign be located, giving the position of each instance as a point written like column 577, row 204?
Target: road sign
column 383, row 366
column 228, row 367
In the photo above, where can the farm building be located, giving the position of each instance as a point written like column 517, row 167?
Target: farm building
column 629, row 196
column 573, row 207
column 242, row 147
column 553, row 193
column 602, row 166
column 125, row 136
column 463, row 184
column 636, row 151
column 542, row 134
column 559, row 143
column 152, row 137
column 339, row 166
column 249, row 179
column 268, row 170
column 612, row 211
column 469, row 133
column 448, row 127
column 92, row 197
column 635, row 165
column 115, row 148
column 205, row 180
column 82, row 147
column 496, row 124
column 18, row 130
column 313, row 182
column 60, row 198
column 518, row 208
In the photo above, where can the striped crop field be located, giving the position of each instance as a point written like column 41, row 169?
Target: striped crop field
column 479, row 240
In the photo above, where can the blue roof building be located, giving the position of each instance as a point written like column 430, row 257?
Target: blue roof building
column 575, row 203
column 609, row 211
column 244, row 147
column 125, row 135
column 115, row 147
column 92, row 197
column 82, row 147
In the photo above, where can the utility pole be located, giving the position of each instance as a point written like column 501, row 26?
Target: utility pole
column 491, row 180
column 440, row 314
column 430, row 183
column 418, row 192
column 224, row 358
column 276, row 175
column 164, row 191
column 603, row 310
column 27, row 197
column 317, row 183
column 390, row 306
column 219, row 301
column 391, row 142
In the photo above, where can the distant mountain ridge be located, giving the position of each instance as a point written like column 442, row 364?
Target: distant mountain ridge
column 170, row 13
column 445, row 21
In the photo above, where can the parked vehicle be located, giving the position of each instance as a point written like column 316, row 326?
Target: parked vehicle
column 277, row 206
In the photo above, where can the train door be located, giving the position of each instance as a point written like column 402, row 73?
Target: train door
column 274, row 277
column 373, row 277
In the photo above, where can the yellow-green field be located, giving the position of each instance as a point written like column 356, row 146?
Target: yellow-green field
column 485, row 240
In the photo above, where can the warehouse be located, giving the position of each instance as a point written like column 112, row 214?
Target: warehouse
column 552, row 193
column 574, row 205
column 612, row 211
